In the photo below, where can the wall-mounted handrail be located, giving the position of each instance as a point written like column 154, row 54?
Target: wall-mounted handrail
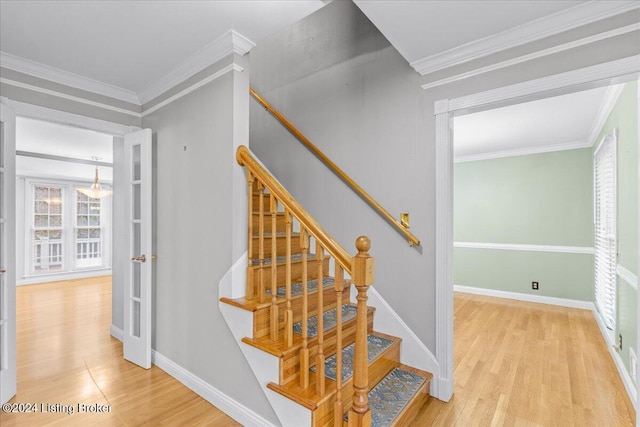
column 413, row 240
column 244, row 157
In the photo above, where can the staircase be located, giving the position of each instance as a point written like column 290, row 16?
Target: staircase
column 331, row 361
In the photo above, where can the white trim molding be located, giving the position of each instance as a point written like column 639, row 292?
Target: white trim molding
column 225, row 403
column 66, row 78
column 608, row 102
column 583, row 78
column 229, row 42
column 69, row 97
column 627, row 276
column 547, row 26
column 116, row 332
column 534, row 55
column 622, row 371
column 212, row 77
column 528, row 248
column 540, row 299
column 444, row 382
column 522, row 151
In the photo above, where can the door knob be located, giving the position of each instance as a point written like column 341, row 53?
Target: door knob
column 2, row 271
column 141, row 258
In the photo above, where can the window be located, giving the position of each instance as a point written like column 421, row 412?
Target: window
column 67, row 231
column 48, row 244
column 605, row 229
column 88, row 231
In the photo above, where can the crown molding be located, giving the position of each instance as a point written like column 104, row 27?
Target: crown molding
column 534, row 55
column 69, row 97
column 608, row 102
column 66, row 78
column 556, row 23
column 522, row 151
column 229, row 42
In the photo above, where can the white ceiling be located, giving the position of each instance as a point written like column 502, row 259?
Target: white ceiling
column 131, row 44
column 59, row 140
column 135, row 46
column 561, row 121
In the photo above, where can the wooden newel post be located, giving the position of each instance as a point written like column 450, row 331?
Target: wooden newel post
column 362, row 277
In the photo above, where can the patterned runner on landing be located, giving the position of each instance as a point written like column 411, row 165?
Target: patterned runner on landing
column 375, row 346
column 329, row 319
column 296, row 288
column 391, row 395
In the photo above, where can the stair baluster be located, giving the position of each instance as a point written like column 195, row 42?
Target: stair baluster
column 261, row 286
column 362, row 275
column 273, row 208
column 339, row 286
column 288, row 314
column 320, row 371
column 250, row 288
column 304, row 351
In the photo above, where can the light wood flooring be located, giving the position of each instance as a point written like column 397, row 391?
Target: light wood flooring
column 517, row 364
column 525, row 364
column 66, row 356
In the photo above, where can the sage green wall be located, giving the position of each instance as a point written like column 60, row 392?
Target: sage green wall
column 624, row 118
column 537, row 199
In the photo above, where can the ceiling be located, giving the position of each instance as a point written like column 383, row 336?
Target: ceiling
column 132, row 46
column 566, row 121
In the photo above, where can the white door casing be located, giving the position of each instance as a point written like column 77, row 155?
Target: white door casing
column 138, row 272
column 7, row 254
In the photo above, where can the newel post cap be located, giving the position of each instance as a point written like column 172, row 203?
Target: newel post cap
column 362, row 263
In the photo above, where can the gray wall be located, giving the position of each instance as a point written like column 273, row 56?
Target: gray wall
column 195, row 242
column 118, row 222
column 341, row 83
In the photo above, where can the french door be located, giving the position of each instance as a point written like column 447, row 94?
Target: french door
column 7, row 255
column 138, row 272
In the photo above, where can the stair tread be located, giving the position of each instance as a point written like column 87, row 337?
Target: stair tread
column 296, row 292
column 279, row 348
column 376, row 345
column 296, row 288
column 282, row 259
column 278, row 234
column 389, row 398
column 329, row 318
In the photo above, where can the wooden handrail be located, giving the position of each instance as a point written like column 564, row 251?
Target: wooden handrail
column 413, row 240
column 244, row 158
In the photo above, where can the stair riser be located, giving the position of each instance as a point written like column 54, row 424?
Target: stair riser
column 281, row 246
column 281, row 271
column 378, row 369
column 290, row 363
column 281, row 225
column 256, row 203
column 262, row 317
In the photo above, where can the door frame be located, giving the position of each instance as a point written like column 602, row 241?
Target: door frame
column 608, row 73
column 116, row 130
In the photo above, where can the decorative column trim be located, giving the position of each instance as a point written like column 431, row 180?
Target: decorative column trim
column 444, row 250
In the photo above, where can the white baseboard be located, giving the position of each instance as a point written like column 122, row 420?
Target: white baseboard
column 226, row 404
column 563, row 302
column 46, row 278
column 117, row 333
column 624, row 374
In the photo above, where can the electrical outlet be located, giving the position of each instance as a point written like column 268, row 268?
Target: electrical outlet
column 534, row 286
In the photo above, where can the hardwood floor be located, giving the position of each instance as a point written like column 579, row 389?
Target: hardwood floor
column 517, row 364
column 66, row 356
column 525, row 364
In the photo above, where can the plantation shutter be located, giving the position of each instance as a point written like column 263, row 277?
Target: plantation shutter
column 605, row 229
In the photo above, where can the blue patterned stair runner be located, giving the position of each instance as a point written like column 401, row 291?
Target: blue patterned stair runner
column 296, row 288
column 329, row 319
column 297, row 257
column 375, row 346
column 391, row 395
